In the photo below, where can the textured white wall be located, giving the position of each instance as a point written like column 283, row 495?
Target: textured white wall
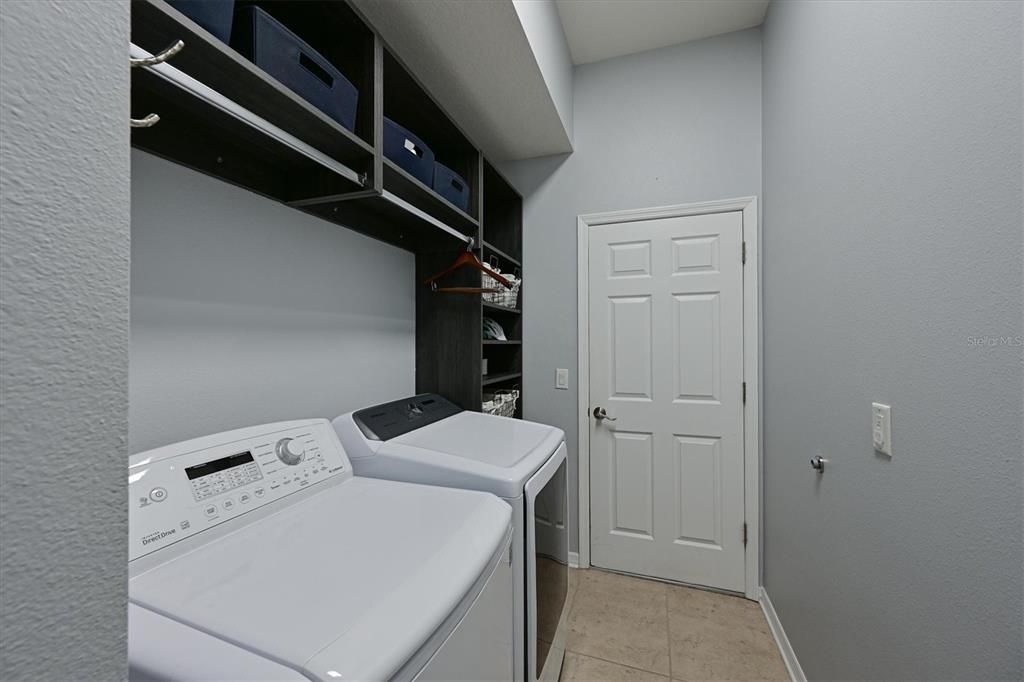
column 670, row 126
column 246, row 311
column 64, row 249
column 892, row 236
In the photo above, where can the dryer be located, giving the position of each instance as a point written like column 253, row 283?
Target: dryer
column 428, row 439
column 256, row 554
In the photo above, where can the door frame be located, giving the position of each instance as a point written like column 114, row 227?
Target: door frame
column 751, row 365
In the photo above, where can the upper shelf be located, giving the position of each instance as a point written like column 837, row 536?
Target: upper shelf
column 222, row 115
column 155, row 25
column 490, row 249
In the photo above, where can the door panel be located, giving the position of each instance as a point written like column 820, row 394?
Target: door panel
column 632, row 483
column 666, row 361
column 630, row 340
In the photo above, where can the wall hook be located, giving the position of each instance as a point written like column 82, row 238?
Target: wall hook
column 147, row 122
column 159, row 58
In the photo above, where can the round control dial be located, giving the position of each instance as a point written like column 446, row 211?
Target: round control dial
column 290, row 451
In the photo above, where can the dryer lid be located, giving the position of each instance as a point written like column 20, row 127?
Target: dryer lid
column 348, row 583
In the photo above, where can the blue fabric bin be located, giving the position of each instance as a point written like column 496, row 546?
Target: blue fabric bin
column 451, row 186
column 409, row 152
column 213, row 15
column 269, row 45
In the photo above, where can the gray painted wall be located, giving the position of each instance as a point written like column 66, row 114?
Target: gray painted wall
column 245, row 311
column 64, row 246
column 892, row 238
column 543, row 28
column 675, row 125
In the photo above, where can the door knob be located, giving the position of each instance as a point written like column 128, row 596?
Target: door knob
column 818, row 463
column 601, row 415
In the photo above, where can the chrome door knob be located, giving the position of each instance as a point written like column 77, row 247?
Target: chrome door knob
column 601, row 415
column 818, row 463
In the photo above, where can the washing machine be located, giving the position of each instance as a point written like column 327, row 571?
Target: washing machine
column 428, row 439
column 257, row 554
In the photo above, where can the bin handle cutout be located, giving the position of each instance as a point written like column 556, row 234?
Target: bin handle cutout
column 318, row 71
column 413, row 148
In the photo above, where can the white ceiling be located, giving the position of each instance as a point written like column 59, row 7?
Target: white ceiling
column 600, row 29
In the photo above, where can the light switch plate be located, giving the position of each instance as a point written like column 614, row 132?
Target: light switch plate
column 881, row 428
column 562, row 379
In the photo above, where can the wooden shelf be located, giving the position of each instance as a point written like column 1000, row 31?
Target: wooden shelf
column 426, row 199
column 489, row 379
column 490, row 248
column 500, row 308
column 496, row 342
column 156, row 25
column 201, row 129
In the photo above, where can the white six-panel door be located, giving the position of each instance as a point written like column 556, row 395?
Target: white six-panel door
column 666, row 363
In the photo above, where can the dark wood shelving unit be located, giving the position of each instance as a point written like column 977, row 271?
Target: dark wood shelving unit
column 156, row 25
column 491, row 380
column 494, row 307
column 491, row 250
column 223, row 116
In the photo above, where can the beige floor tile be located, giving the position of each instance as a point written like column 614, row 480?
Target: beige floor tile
column 627, row 588
column 705, row 650
column 620, row 619
column 719, row 609
column 579, row 668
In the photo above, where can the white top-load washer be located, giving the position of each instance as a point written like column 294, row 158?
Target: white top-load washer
column 427, row 439
column 256, row 554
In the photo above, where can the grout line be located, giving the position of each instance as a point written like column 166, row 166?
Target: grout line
column 623, row 665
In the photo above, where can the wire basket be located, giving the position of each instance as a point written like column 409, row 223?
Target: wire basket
column 501, row 403
column 505, row 297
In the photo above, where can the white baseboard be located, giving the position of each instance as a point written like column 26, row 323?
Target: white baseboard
column 796, row 673
column 574, row 559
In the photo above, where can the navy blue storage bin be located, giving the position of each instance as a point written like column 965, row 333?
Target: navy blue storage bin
column 408, row 151
column 267, row 43
column 451, row 186
column 213, row 15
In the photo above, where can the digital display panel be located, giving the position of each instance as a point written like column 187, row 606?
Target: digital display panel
column 199, row 470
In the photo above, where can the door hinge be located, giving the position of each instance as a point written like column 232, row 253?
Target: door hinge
column 743, row 253
column 744, row 393
column 744, row 534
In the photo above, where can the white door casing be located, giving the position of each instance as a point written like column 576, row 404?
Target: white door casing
column 670, row 479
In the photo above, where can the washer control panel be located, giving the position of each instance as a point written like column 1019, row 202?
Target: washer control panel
column 180, row 490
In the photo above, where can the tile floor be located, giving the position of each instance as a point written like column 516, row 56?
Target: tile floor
column 624, row 628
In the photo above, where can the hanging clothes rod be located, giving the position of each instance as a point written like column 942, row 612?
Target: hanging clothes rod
column 213, row 98
column 422, row 215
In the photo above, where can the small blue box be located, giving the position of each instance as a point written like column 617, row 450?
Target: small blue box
column 408, row 151
column 213, row 15
column 451, row 186
column 271, row 46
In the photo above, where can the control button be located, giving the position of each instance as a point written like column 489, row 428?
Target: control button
column 259, row 492
column 290, row 451
column 228, row 504
column 158, row 494
column 245, row 498
column 210, row 510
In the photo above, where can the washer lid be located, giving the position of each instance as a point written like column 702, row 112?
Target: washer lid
column 348, row 583
column 474, row 450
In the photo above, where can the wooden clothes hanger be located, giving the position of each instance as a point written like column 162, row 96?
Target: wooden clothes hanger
column 464, row 259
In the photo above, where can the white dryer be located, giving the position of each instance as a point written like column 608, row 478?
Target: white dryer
column 256, row 554
column 427, row 439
